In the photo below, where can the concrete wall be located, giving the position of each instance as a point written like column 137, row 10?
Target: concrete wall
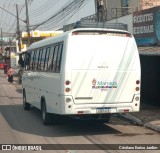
column 111, row 4
column 150, row 81
column 125, row 20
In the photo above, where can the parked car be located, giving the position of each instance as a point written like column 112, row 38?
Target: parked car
column 2, row 64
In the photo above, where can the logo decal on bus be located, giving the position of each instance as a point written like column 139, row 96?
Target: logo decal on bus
column 104, row 84
column 94, row 82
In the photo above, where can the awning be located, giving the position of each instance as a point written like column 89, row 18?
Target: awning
column 150, row 51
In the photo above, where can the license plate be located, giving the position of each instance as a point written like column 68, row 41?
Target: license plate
column 103, row 110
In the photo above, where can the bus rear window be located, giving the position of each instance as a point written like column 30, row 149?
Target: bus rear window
column 107, row 33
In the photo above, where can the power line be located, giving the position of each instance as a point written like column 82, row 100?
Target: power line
column 68, row 2
column 66, row 12
column 58, row 21
column 69, row 14
column 68, row 9
column 11, row 13
column 44, row 8
column 6, row 9
column 12, row 26
column 9, row 17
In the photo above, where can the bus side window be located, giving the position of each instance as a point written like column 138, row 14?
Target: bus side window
column 28, row 60
column 31, row 60
column 43, row 59
column 25, row 61
column 39, row 59
column 36, row 60
column 59, row 56
column 47, row 59
column 50, row 60
column 55, row 58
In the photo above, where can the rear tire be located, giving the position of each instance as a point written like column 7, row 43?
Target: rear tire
column 46, row 118
column 26, row 106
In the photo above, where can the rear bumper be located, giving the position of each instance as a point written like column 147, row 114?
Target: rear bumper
column 103, row 108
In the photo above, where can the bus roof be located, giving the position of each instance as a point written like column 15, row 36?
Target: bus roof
column 59, row 38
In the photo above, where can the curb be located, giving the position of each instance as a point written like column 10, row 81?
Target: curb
column 132, row 118
column 138, row 121
column 152, row 126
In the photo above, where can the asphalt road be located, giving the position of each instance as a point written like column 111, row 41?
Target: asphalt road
column 25, row 127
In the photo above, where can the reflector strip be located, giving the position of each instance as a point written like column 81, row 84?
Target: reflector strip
column 126, row 110
column 83, row 98
column 80, row 112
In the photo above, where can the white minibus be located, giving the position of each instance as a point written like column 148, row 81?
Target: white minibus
column 85, row 73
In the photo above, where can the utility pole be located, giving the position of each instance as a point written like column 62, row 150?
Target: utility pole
column 27, row 23
column 1, row 41
column 10, row 44
column 18, row 30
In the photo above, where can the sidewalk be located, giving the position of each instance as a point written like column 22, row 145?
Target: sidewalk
column 148, row 116
column 15, row 78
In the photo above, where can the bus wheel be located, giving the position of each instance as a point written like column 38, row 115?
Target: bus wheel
column 46, row 119
column 26, row 106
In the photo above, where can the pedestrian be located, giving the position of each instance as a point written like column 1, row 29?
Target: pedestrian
column 10, row 74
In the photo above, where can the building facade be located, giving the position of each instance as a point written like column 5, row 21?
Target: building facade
column 146, row 4
column 8, row 42
column 118, row 8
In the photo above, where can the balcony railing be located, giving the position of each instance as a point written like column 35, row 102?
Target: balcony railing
column 109, row 14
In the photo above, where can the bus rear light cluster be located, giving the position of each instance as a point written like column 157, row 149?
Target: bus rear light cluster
column 67, row 83
column 137, row 83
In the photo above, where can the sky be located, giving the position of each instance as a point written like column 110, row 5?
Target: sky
column 41, row 10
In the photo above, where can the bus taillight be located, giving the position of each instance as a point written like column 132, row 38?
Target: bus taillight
column 75, row 33
column 128, row 35
column 67, row 82
column 67, row 89
column 137, row 88
column 137, row 82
